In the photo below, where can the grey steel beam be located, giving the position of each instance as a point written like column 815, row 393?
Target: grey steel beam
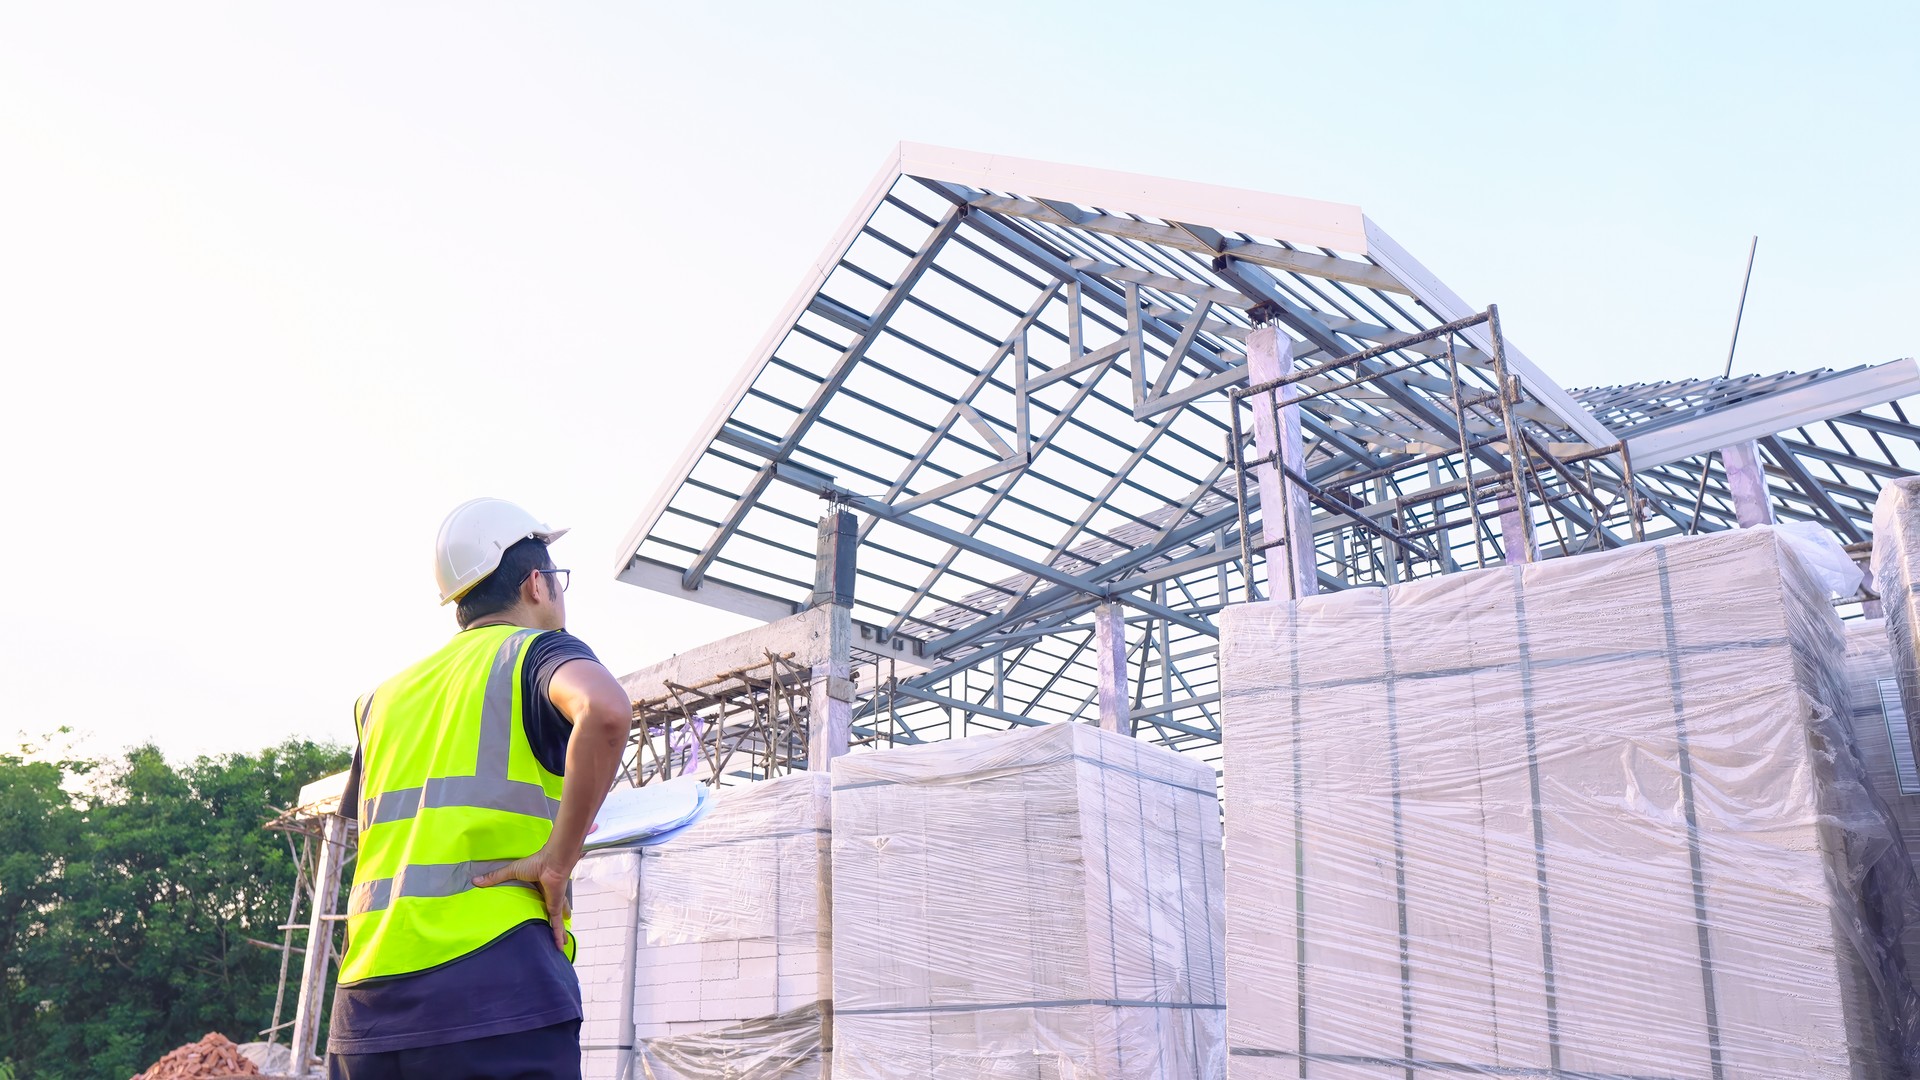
column 1032, row 250
column 1833, row 395
column 1815, row 492
column 843, row 367
column 1046, row 600
column 1330, row 267
column 1308, row 324
column 807, row 480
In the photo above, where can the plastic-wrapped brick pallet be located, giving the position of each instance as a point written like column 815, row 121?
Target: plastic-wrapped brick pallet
column 1896, row 577
column 1044, row 904
column 1592, row 817
column 1880, row 735
column 605, row 913
column 730, row 955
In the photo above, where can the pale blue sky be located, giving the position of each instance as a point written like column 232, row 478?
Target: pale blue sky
column 280, row 284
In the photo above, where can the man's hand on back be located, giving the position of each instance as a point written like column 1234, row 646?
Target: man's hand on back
column 592, row 700
column 549, row 871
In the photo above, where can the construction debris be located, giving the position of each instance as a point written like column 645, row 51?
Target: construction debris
column 214, row 1057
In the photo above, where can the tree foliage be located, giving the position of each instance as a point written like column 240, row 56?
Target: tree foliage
column 129, row 892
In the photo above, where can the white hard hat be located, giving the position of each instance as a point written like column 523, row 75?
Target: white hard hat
column 475, row 536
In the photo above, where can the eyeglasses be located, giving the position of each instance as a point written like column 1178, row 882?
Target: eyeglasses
column 561, row 578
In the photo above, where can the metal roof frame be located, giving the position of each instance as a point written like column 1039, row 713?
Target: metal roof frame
column 1018, row 373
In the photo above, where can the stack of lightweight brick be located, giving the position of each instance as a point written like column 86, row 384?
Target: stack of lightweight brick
column 723, row 968
column 1044, row 904
column 1882, row 739
column 1585, row 818
column 606, row 888
column 1896, row 577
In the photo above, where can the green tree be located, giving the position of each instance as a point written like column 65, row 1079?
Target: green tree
column 146, row 940
column 40, row 829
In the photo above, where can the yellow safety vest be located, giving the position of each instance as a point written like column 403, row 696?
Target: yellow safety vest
column 449, row 789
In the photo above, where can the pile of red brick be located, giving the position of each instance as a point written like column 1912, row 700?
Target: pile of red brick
column 212, row 1058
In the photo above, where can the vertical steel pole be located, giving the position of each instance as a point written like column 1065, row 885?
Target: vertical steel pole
column 1522, row 504
column 1633, row 501
column 1466, row 461
column 1239, row 459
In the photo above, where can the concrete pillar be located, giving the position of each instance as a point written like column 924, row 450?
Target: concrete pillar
column 830, row 687
column 1517, row 541
column 1747, row 479
column 1872, row 609
column 1285, row 515
column 1110, row 638
column 830, row 696
column 833, row 562
column 316, row 968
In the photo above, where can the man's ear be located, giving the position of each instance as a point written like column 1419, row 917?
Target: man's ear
column 533, row 590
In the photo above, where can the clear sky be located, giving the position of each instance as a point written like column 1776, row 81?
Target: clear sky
column 282, row 283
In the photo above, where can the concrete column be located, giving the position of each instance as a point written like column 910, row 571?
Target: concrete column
column 1872, row 609
column 1286, row 520
column 1110, row 638
column 830, row 695
column 830, row 688
column 1747, row 479
column 316, row 968
column 1516, row 540
column 833, row 562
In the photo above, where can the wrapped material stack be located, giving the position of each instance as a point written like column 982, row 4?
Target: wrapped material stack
column 1044, row 904
column 1880, row 735
column 1592, row 817
column 1896, row 577
column 731, row 952
column 606, row 892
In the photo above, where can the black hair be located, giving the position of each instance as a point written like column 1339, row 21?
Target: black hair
column 500, row 590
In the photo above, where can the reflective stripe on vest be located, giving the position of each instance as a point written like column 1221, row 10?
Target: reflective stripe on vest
column 424, row 837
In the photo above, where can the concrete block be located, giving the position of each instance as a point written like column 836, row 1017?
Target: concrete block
column 1593, row 816
column 1099, row 857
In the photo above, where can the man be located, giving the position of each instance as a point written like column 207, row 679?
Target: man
column 477, row 777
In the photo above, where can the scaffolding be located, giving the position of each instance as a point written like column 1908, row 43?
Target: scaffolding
column 752, row 713
column 1533, row 481
column 322, row 843
column 748, row 723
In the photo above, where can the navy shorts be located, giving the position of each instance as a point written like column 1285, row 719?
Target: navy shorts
column 548, row 1053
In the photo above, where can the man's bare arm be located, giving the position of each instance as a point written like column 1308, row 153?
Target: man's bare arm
column 588, row 695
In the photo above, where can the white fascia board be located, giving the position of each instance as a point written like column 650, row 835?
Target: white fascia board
column 1447, row 306
column 810, row 285
column 662, row 578
column 1280, row 217
column 1770, row 414
column 324, row 789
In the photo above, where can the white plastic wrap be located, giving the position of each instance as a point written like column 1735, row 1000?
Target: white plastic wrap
column 1592, row 817
column 1880, row 735
column 728, row 957
column 1896, row 577
column 606, row 888
column 1043, row 904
